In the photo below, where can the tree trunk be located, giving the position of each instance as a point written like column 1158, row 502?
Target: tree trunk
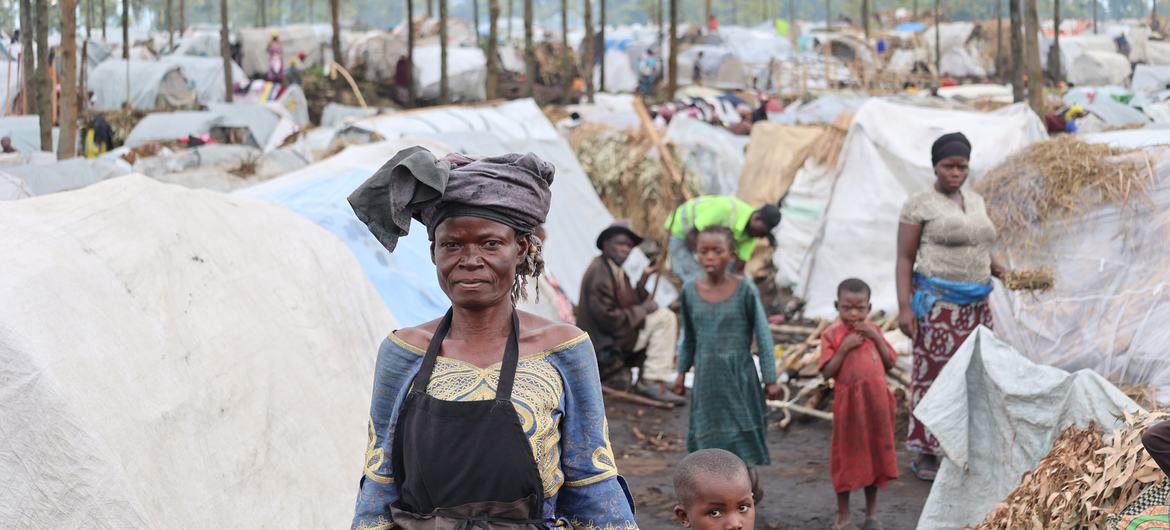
column 999, row 40
column 262, row 12
column 914, row 11
column 1054, row 65
column 587, row 51
column 865, row 18
column 672, row 85
column 1096, row 16
column 601, row 74
column 411, row 92
column 126, row 29
column 706, row 12
column 661, row 27
column 28, row 58
column 475, row 20
column 67, row 140
column 792, row 23
column 937, row 42
column 444, row 93
column 828, row 15
column 103, row 4
column 88, row 19
column 493, row 55
column 1032, row 43
column 430, row 9
column 510, row 16
column 529, row 52
column 44, row 84
column 566, row 64
column 334, row 15
column 225, row 49
column 169, row 14
column 311, row 17
column 182, row 16
column 1017, row 45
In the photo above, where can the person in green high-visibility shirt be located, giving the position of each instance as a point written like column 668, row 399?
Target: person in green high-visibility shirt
column 747, row 224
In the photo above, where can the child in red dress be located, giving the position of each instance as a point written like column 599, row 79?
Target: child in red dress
column 854, row 352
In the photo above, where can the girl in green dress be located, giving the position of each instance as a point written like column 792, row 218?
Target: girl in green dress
column 721, row 314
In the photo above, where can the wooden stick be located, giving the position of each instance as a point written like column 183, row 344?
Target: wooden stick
column 633, row 398
column 801, row 410
column 663, row 152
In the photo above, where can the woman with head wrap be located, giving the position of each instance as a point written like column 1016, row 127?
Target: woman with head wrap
column 487, row 417
column 944, row 272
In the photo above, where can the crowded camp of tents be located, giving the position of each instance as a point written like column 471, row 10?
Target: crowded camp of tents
column 270, row 264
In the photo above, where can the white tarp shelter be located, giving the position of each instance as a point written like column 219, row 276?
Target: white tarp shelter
column 1094, row 68
column 64, row 175
column 164, row 350
column 1109, row 308
column 711, row 155
column 995, row 414
column 314, row 40
column 270, row 124
column 147, row 85
column 885, row 159
column 25, row 132
column 466, row 73
column 206, row 74
column 719, row 67
column 167, row 126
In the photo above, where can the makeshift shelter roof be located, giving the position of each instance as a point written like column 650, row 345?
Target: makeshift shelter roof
column 710, row 155
column 291, row 97
column 166, row 126
column 269, row 124
column 64, row 175
column 719, row 67
column 377, row 54
column 995, row 413
column 147, row 85
column 207, row 75
column 294, row 39
column 885, row 159
column 1112, row 113
column 1094, row 68
column 1149, row 80
column 1148, row 136
column 910, row 27
column 466, row 73
column 336, row 114
column 406, row 278
column 12, row 188
column 25, row 132
column 774, row 154
column 822, row 110
column 180, row 304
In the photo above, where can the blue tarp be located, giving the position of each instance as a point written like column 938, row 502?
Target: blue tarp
column 910, row 27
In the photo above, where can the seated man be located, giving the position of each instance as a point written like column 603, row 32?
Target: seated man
column 626, row 325
column 746, row 224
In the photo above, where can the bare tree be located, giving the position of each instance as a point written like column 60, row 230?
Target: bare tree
column 510, row 2
column 475, row 20
column 1032, row 43
column 1096, row 6
column 170, row 24
column 566, row 64
column 88, row 19
column 829, row 14
column 262, row 12
column 587, row 52
column 937, row 41
column 44, row 83
column 67, row 140
column 225, row 49
column 444, row 93
column 706, row 11
column 411, row 94
column 126, row 29
column 672, row 64
column 493, row 54
column 182, row 16
column 1017, row 45
column 999, row 39
column 1054, row 52
column 334, row 16
column 865, row 17
column 103, row 4
column 602, row 39
column 28, row 58
column 529, row 52
column 430, row 9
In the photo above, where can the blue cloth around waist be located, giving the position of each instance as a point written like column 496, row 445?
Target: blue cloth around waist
column 931, row 289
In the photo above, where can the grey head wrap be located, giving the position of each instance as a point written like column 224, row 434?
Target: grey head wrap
column 512, row 189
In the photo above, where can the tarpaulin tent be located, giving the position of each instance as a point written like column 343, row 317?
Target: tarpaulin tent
column 886, row 158
column 147, row 85
column 25, row 132
column 376, row 54
column 961, row 55
column 164, row 350
column 995, row 414
column 167, row 126
column 710, row 155
column 291, row 97
column 269, row 124
column 12, row 188
column 719, row 67
column 312, row 40
column 1094, row 68
column 406, row 279
column 466, row 73
column 64, row 175
column 206, row 74
column 1104, row 111
column 774, row 153
column 620, row 74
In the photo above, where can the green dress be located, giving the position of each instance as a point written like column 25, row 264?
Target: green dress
column 727, row 403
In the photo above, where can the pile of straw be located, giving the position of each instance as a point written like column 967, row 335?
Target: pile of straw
column 1057, row 178
column 1082, row 480
column 1040, row 280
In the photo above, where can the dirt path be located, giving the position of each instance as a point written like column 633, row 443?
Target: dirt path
column 798, row 489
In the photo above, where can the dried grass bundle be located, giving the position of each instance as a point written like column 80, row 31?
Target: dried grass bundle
column 1081, row 480
column 1054, row 179
column 1030, row 280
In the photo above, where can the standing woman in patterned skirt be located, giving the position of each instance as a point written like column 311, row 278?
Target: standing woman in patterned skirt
column 944, row 272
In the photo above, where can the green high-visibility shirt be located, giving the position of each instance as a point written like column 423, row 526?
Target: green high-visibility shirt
column 701, row 212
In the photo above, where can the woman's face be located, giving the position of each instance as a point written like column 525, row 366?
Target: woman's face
column 951, row 173
column 476, row 260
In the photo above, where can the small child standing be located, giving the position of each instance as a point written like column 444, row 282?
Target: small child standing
column 721, row 314
column 854, row 352
column 714, row 492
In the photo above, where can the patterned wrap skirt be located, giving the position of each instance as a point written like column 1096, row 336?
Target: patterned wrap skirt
column 940, row 333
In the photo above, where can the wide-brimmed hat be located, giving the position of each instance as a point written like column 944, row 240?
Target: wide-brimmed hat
column 619, row 226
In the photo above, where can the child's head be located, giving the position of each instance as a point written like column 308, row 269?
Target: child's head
column 853, row 300
column 714, row 492
column 715, row 248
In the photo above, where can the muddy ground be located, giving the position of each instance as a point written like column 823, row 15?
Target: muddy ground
column 798, row 491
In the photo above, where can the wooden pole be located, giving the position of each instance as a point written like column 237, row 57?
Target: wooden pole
column 588, row 54
column 444, row 93
column 1017, row 46
column 1035, row 75
column 566, row 64
column 67, row 140
column 999, row 40
column 225, row 51
column 1054, row 65
column 529, row 52
column 937, row 42
column 126, row 29
column 493, row 54
column 601, row 33
column 672, row 86
column 411, row 91
column 667, row 158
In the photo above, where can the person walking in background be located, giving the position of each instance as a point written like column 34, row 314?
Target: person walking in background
column 275, row 59
column 697, row 70
column 856, row 355
column 943, row 275
column 648, row 70
column 721, row 315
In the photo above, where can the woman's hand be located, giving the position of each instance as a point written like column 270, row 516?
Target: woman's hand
column 679, row 387
column 908, row 323
column 772, row 391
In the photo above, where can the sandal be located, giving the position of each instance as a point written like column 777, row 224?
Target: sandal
column 923, row 473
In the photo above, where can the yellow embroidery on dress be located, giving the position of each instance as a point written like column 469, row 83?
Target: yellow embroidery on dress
column 578, row 524
column 602, row 459
column 375, row 456
column 381, row 523
column 535, row 396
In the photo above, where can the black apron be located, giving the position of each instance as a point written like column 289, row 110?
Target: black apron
column 465, row 464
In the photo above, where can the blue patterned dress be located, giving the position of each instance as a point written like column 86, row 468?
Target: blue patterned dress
column 557, row 395
column 727, row 403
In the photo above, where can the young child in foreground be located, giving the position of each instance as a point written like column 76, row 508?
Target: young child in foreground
column 721, row 314
column 854, row 352
column 714, row 492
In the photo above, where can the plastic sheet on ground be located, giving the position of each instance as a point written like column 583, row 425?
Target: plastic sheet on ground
column 195, row 337
column 996, row 414
column 64, row 175
column 1150, row 79
column 1109, row 308
column 711, row 155
column 406, row 279
column 885, row 159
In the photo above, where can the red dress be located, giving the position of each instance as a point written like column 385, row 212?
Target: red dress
column 863, row 451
